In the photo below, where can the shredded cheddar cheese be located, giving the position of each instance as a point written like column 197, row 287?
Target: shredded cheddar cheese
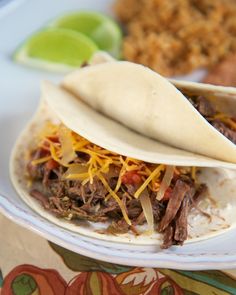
column 150, row 177
column 41, row 160
column 120, row 174
column 54, row 154
column 118, row 200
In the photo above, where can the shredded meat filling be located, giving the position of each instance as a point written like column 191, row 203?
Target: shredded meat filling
column 181, row 231
column 176, row 198
column 73, row 200
column 177, row 231
column 226, row 131
column 204, row 106
column 207, row 110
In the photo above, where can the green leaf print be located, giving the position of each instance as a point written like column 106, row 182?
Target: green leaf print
column 77, row 262
column 1, row 278
column 23, row 285
column 214, row 278
column 168, row 291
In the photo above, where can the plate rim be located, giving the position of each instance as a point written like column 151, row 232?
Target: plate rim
column 30, row 222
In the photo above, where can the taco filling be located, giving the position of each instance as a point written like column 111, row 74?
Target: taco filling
column 75, row 179
column 221, row 121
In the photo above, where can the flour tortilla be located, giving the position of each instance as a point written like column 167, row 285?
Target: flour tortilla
column 113, row 136
column 151, row 105
column 59, row 106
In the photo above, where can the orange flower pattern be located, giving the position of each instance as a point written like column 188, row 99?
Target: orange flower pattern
column 94, row 277
column 32, row 280
column 91, row 283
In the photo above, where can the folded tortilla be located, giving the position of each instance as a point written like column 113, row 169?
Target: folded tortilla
column 57, row 106
column 151, row 105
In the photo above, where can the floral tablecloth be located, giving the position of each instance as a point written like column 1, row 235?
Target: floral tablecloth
column 30, row 265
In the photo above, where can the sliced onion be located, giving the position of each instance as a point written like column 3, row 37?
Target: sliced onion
column 67, row 151
column 169, row 173
column 76, row 171
column 147, row 209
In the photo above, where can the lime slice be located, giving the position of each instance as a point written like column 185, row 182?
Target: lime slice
column 56, row 49
column 100, row 28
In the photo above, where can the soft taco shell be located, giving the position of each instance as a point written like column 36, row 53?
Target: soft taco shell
column 149, row 104
column 59, row 106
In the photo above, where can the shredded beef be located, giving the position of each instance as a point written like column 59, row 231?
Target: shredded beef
column 206, row 109
column 140, row 219
column 40, row 197
column 36, row 171
column 130, row 188
column 179, row 191
column 225, row 130
column 91, row 202
column 118, row 227
column 168, row 237
column 56, row 202
column 78, row 213
column 181, row 226
column 158, row 207
column 134, row 208
column 174, row 223
column 81, row 157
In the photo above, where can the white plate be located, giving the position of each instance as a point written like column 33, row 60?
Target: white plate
column 19, row 94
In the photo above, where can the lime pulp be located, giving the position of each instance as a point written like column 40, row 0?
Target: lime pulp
column 105, row 32
column 55, row 48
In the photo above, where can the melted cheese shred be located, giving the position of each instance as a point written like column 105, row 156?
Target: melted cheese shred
column 153, row 174
column 118, row 200
column 67, row 152
column 122, row 170
column 41, row 160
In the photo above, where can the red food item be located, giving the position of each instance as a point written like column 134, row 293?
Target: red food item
column 131, row 177
column 45, row 147
column 51, row 164
column 43, row 152
column 54, row 139
column 167, row 194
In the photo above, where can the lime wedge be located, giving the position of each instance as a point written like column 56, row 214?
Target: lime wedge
column 56, row 49
column 100, row 28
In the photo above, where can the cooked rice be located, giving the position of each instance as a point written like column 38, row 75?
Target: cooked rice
column 177, row 37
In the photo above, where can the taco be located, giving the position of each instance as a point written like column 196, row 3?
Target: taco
column 151, row 105
column 90, row 174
